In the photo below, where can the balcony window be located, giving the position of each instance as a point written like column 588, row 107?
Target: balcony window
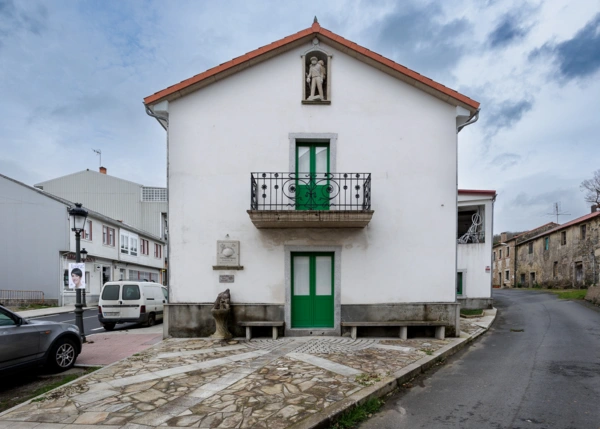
column 471, row 227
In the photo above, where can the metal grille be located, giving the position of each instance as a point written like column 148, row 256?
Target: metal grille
column 310, row 191
column 154, row 194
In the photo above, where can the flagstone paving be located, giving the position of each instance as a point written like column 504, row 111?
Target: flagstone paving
column 203, row 383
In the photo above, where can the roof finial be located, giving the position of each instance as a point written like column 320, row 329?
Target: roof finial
column 315, row 21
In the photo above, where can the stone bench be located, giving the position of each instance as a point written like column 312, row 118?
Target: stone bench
column 249, row 325
column 440, row 327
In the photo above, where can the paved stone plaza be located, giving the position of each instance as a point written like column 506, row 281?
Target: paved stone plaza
column 203, row 383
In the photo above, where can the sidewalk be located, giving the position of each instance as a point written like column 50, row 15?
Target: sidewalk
column 48, row 311
column 203, row 383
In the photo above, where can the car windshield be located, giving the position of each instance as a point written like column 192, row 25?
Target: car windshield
column 131, row 292
column 110, row 293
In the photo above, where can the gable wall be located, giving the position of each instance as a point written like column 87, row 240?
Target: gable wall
column 404, row 137
column 34, row 230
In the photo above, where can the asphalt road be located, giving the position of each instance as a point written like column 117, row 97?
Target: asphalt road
column 538, row 367
column 91, row 325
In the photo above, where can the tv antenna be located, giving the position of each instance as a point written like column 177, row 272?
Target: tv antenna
column 99, row 153
column 557, row 211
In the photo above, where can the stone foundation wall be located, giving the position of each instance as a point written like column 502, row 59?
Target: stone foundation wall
column 476, row 303
column 195, row 320
column 593, row 295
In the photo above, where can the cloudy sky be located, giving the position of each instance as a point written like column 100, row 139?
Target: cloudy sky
column 73, row 75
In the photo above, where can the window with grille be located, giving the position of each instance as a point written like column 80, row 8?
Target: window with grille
column 154, row 194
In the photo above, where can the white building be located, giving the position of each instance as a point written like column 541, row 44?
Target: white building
column 38, row 245
column 142, row 207
column 475, row 237
column 312, row 208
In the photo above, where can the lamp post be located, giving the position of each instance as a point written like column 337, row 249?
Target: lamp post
column 83, row 253
column 78, row 216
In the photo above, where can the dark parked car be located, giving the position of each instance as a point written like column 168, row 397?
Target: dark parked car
column 26, row 342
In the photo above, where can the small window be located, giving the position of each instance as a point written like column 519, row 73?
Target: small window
column 144, row 246
column 582, row 231
column 157, row 250
column 124, row 244
column 522, row 279
column 108, row 236
column 555, row 269
column 131, row 292
column 507, row 252
column 110, row 293
column 507, row 275
column 563, row 238
column 133, row 246
column 531, row 248
column 500, row 252
column 87, row 231
column 494, row 256
column 546, row 243
column 459, row 283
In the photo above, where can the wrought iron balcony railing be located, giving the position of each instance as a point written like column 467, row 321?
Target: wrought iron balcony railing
column 310, row 191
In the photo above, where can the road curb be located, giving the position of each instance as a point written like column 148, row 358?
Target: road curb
column 327, row 417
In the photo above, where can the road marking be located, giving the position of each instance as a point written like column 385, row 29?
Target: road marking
column 97, row 329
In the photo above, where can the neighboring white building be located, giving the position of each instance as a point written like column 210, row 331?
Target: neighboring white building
column 313, row 211
column 475, row 237
column 38, row 245
column 142, row 207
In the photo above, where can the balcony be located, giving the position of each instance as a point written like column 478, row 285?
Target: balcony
column 310, row 200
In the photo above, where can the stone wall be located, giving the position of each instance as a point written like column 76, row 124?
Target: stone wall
column 593, row 295
column 195, row 320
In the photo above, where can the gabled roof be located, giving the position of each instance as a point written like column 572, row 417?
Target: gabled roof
column 87, row 171
column 70, row 204
column 261, row 54
column 579, row 220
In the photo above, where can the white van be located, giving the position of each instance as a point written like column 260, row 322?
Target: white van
column 131, row 301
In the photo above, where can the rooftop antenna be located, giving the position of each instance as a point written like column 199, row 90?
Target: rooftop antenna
column 557, row 211
column 99, row 153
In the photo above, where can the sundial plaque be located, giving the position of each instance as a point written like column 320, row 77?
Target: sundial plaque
column 228, row 253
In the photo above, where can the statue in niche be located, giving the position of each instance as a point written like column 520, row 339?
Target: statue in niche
column 315, row 77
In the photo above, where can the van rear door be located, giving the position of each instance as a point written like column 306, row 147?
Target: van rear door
column 110, row 299
column 131, row 300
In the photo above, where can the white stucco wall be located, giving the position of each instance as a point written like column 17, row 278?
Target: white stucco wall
column 474, row 258
column 403, row 136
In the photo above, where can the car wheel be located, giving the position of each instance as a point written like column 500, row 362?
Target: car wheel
column 63, row 355
column 108, row 326
column 151, row 319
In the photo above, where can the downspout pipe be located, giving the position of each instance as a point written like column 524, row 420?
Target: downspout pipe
column 474, row 118
column 159, row 118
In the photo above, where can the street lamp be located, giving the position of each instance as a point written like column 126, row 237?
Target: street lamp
column 83, row 253
column 78, row 216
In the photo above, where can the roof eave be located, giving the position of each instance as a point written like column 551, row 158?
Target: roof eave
column 350, row 48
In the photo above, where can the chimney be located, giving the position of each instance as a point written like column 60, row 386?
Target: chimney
column 102, row 170
column 503, row 237
column 594, row 208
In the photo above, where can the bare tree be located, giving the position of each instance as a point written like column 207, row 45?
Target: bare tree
column 592, row 188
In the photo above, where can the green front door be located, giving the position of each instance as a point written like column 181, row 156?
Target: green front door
column 312, row 290
column 312, row 176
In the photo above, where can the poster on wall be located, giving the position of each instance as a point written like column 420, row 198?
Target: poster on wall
column 76, row 277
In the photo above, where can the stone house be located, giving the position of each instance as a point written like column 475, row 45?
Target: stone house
column 504, row 255
column 317, row 181
column 564, row 256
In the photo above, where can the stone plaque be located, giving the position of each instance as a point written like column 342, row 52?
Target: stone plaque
column 226, row 278
column 228, row 253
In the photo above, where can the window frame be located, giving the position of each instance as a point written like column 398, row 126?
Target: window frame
column 546, row 243
column 144, row 247
column 108, row 236
column 563, row 238
column 507, row 275
column 582, row 231
column 530, row 248
column 157, row 250
column 84, row 233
